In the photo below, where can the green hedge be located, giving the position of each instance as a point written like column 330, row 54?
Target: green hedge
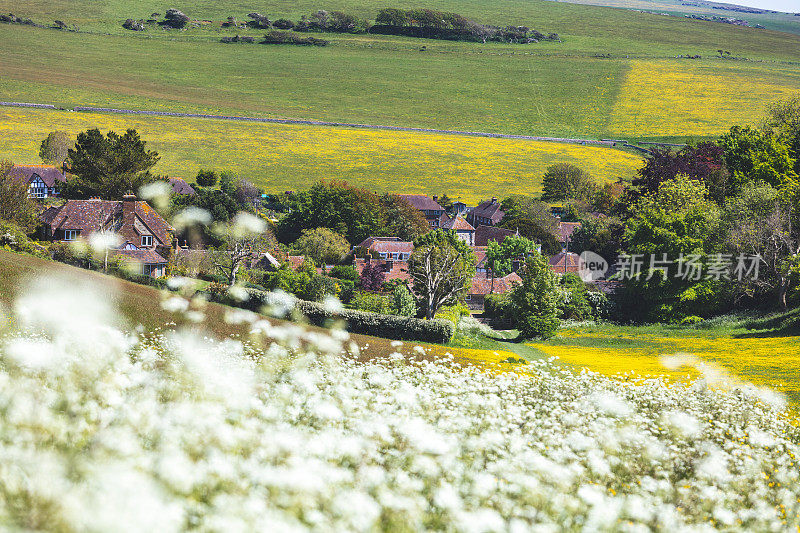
column 363, row 322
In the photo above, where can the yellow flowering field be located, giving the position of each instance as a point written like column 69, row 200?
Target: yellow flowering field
column 278, row 156
column 766, row 361
column 696, row 97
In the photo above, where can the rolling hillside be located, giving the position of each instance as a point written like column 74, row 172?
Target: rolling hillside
column 616, row 74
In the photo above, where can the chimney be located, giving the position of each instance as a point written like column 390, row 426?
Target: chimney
column 435, row 198
column 128, row 208
column 494, row 199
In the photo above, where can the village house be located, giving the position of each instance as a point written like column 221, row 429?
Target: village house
column 42, row 180
column 146, row 239
column 485, row 234
column 482, row 286
column 390, row 253
column 179, row 186
column 459, row 208
column 434, row 213
column 564, row 232
column 486, row 213
column 463, row 230
column 565, row 262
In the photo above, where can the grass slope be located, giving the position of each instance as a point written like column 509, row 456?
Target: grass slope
column 140, row 305
column 288, row 156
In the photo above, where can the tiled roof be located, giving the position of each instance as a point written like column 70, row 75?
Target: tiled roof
column 565, row 229
column 482, row 284
column 480, row 256
column 457, row 224
column 387, row 245
column 143, row 255
column 49, row 174
column 488, row 209
column 484, row 234
column 179, row 186
column 570, row 260
column 90, row 216
column 422, row 202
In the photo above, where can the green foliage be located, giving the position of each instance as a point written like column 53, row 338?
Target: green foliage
column 499, row 309
column 207, row 178
column 753, row 155
column 501, row 255
column 55, row 147
column 402, row 220
column 349, row 211
column 603, row 236
column 565, row 181
column 369, row 301
column 575, row 302
column 108, row 166
column 453, row 313
column 322, row 245
column 15, row 205
column 536, row 300
column 347, row 272
column 441, row 267
column 784, row 122
column 402, row 301
column 14, row 238
column 678, row 221
column 522, row 207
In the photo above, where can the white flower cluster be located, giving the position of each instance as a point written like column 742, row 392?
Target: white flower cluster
column 103, row 431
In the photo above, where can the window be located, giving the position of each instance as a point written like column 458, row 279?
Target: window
column 70, row 234
column 147, row 240
column 468, row 297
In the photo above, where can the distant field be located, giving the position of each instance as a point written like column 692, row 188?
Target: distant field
column 696, row 98
column 282, row 156
column 767, row 359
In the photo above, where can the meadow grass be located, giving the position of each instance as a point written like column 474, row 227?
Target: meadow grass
column 764, row 358
column 281, row 157
column 553, row 89
column 697, row 98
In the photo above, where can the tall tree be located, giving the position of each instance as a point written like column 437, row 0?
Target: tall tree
column 441, row 267
column 245, row 238
column 322, row 245
column 55, row 147
column 15, row 204
column 402, row 219
column 784, row 121
column 753, row 155
column 535, row 301
column 704, row 162
column 108, row 166
column 565, row 181
column 500, row 256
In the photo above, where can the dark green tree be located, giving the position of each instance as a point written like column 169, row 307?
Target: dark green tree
column 536, row 300
column 108, row 166
column 565, row 181
column 207, row 178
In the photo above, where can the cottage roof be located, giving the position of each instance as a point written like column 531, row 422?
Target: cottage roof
column 179, row 186
column 488, row 209
column 565, row 230
column 571, row 261
column 295, row 261
column 91, row 216
column 391, row 245
column 48, row 173
column 457, row 224
column 422, row 202
column 484, row 234
column 147, row 256
column 482, row 284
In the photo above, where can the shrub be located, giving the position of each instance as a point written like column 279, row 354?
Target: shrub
column 453, row 313
column 283, row 24
column 319, row 287
column 498, row 308
column 372, row 277
column 14, row 238
column 285, row 37
column 368, row 301
column 574, row 305
column 347, row 272
column 691, row 320
column 403, row 303
column 600, row 304
column 174, row 18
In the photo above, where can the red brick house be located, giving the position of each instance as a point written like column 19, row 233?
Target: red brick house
column 146, row 238
column 42, row 180
column 565, row 262
column 390, row 253
column 429, row 206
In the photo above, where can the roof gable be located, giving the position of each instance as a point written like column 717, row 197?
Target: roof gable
column 421, row 202
column 47, row 173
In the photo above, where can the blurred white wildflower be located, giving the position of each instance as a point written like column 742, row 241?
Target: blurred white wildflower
column 238, row 293
column 157, row 193
column 245, row 224
column 102, row 241
column 190, row 217
column 332, row 304
column 175, row 304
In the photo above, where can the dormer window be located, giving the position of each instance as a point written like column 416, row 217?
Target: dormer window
column 70, row 234
column 147, row 240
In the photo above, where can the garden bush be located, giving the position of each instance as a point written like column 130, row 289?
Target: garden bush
column 285, row 37
column 344, row 272
column 369, row 301
column 498, row 308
